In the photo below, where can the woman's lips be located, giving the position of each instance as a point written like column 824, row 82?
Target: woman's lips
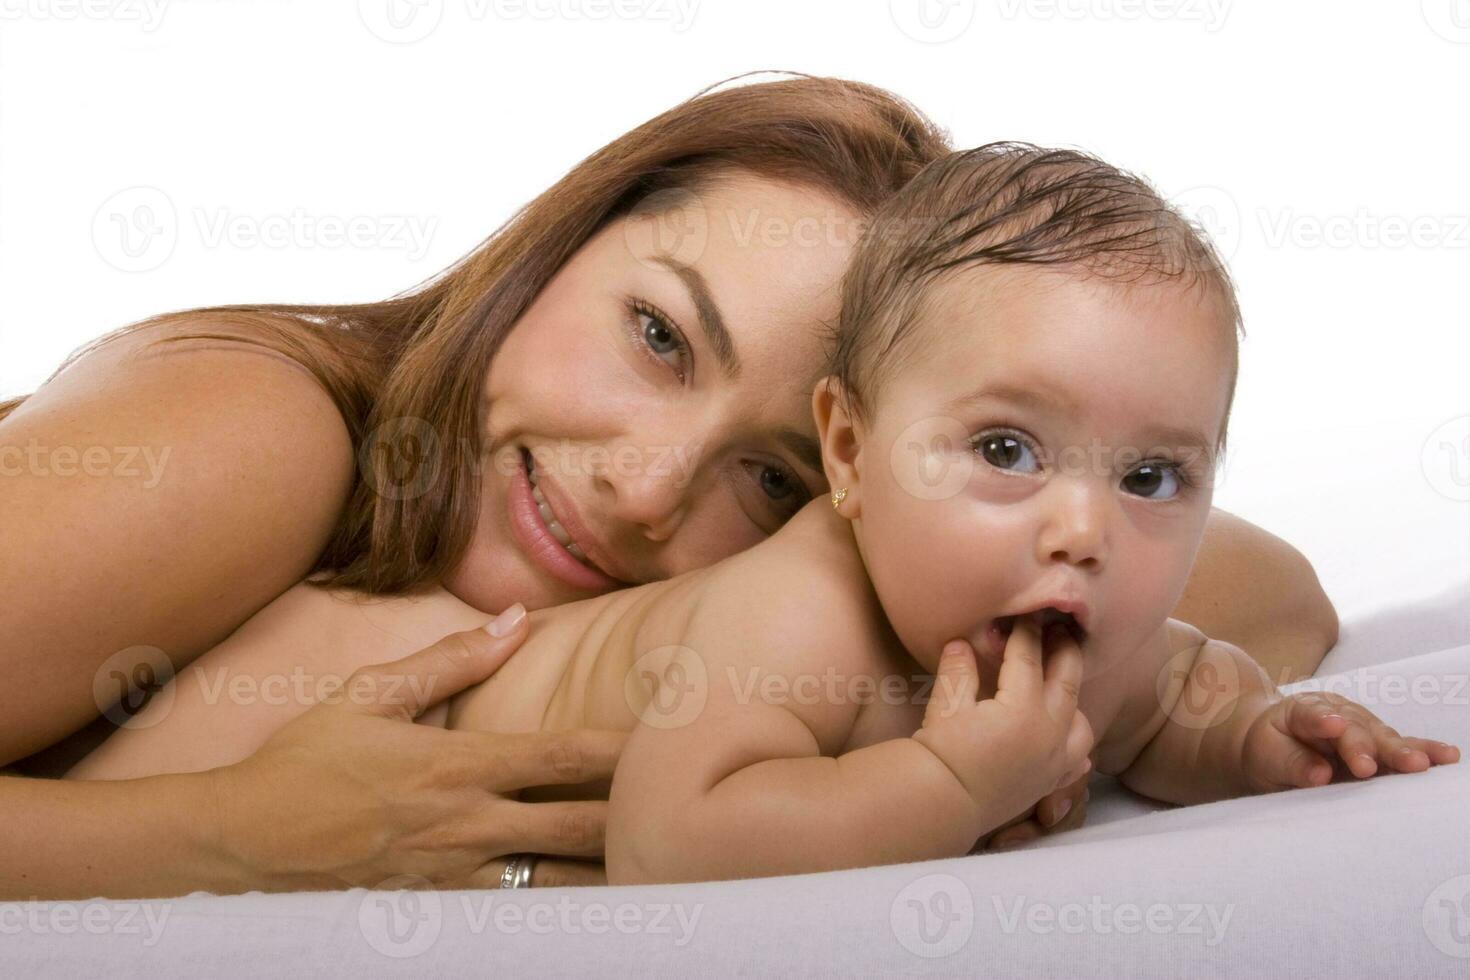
column 536, row 540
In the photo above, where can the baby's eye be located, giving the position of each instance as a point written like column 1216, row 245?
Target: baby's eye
column 1003, row 450
column 1151, row 476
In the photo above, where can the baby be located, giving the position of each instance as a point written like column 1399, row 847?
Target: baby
column 1035, row 364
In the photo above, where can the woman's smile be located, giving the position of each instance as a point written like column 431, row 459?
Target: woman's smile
column 542, row 534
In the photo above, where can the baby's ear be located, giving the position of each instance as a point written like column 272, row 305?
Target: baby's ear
column 837, row 430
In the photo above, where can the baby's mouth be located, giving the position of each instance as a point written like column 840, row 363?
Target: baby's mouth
column 1048, row 616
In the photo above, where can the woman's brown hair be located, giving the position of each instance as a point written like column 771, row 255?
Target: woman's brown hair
column 413, row 366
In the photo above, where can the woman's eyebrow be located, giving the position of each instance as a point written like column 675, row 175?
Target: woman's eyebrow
column 803, row 447
column 708, row 314
column 807, row 450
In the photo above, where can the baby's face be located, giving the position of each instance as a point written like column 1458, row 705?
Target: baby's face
column 978, row 502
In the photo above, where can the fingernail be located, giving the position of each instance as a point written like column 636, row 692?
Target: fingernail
column 506, row 621
column 1062, row 811
column 1086, row 794
column 1008, row 845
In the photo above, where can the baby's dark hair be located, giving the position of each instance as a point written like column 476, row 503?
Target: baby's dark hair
column 1010, row 204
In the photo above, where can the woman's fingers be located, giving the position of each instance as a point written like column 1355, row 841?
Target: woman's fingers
column 506, row 763
column 570, row 828
column 1063, row 802
column 405, row 688
column 546, row 873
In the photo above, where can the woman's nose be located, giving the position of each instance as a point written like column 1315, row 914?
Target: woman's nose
column 649, row 493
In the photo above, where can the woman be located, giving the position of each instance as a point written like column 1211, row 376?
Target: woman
column 368, row 446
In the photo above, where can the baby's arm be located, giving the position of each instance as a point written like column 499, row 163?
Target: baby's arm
column 730, row 784
column 230, row 700
column 1221, row 729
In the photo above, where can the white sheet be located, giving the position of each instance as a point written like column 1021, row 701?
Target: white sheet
column 1343, row 880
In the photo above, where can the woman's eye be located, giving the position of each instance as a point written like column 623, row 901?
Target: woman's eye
column 1003, row 451
column 1151, row 476
column 658, row 337
column 780, row 486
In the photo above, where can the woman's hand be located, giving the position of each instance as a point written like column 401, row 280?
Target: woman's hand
column 352, row 793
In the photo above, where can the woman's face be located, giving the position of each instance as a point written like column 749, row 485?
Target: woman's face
column 660, row 383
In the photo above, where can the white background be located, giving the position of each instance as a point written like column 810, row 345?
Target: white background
column 1324, row 143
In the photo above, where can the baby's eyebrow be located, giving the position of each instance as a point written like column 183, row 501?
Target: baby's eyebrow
column 1016, row 394
column 1059, row 403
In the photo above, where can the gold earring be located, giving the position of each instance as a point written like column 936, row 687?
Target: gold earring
column 838, row 496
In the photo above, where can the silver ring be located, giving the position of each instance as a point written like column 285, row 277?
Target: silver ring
column 518, row 868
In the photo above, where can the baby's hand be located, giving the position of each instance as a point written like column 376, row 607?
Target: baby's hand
column 1028, row 740
column 1313, row 738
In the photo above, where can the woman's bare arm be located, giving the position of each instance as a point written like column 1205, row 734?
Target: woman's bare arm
column 220, row 472
column 346, row 794
column 1254, row 590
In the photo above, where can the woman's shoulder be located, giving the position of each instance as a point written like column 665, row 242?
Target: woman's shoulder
column 199, row 481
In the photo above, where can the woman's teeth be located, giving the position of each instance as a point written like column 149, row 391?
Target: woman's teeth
column 552, row 524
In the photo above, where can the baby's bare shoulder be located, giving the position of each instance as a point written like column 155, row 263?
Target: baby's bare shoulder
column 789, row 612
